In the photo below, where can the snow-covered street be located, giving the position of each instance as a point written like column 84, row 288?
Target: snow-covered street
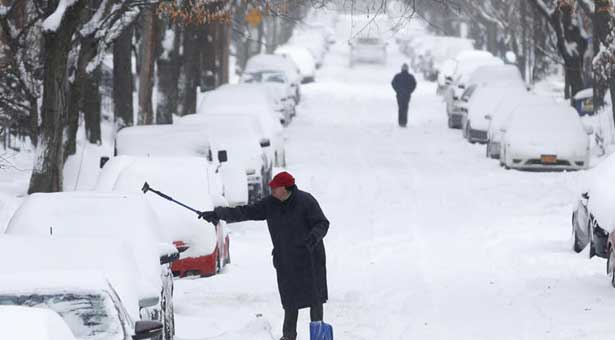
column 428, row 240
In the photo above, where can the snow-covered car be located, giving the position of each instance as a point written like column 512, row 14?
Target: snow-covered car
column 445, row 75
column 313, row 42
column 500, row 115
column 465, row 64
column 277, row 62
column 498, row 75
column 276, row 87
column 85, row 301
column 593, row 219
column 481, row 107
column 548, row 137
column 113, row 258
column 181, row 141
column 32, row 323
column 125, row 218
column 206, row 246
column 224, row 100
column 240, row 135
column 304, row 60
column 368, row 50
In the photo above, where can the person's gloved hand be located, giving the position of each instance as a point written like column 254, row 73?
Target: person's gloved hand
column 210, row 216
column 310, row 242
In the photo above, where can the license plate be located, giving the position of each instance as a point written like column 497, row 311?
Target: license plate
column 548, row 159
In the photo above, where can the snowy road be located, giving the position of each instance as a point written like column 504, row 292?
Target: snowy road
column 428, row 238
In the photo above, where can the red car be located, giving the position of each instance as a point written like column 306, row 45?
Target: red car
column 202, row 265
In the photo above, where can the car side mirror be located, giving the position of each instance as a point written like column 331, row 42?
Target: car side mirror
column 488, row 117
column 265, row 143
column 169, row 258
column 103, row 161
column 222, row 156
column 150, row 301
column 503, row 130
column 455, row 98
column 585, row 195
column 461, row 86
column 146, row 329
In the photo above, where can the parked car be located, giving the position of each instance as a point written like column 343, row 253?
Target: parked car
column 592, row 219
column 368, row 50
column 455, row 117
column 481, row 106
column 497, row 75
column 465, row 64
column 32, row 323
column 501, row 113
column 276, row 62
column 547, row 137
column 122, row 217
column 304, row 60
column 224, row 100
column 87, row 303
column 279, row 87
column 240, row 135
column 205, row 248
column 182, row 141
column 313, row 42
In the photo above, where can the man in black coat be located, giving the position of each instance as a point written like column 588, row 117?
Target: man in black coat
column 404, row 84
column 297, row 227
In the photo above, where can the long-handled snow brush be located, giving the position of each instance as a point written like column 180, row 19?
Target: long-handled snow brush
column 147, row 188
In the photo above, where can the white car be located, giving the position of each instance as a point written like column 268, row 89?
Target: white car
column 548, row 137
column 465, row 64
column 497, row 74
column 498, row 117
column 269, row 62
column 87, row 303
column 313, row 41
column 183, row 141
column 368, row 50
column 32, row 323
column 235, row 99
column 279, row 87
column 183, row 178
column 125, row 218
column 113, row 258
column 482, row 105
column 240, row 135
column 304, row 60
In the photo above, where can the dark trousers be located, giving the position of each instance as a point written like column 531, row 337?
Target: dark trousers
column 289, row 329
column 402, row 105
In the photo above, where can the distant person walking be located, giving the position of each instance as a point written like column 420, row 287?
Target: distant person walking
column 297, row 227
column 404, row 84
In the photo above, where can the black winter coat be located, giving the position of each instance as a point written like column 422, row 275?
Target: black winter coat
column 404, row 84
column 301, row 272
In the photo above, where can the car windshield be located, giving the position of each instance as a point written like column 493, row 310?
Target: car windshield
column 264, row 77
column 89, row 316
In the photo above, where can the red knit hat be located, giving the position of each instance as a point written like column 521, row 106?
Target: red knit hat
column 283, row 179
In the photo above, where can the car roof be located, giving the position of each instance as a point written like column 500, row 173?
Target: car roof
column 31, row 323
column 50, row 282
column 162, row 140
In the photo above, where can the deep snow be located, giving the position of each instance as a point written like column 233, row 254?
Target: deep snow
column 428, row 240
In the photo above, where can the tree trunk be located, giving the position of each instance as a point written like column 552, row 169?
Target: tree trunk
column 168, row 68
column 123, row 87
column 207, row 57
column 147, row 56
column 601, row 29
column 225, row 42
column 190, row 72
column 91, row 106
column 49, row 160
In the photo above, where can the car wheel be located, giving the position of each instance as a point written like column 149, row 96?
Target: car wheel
column 609, row 263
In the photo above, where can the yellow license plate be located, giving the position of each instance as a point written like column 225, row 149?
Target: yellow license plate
column 548, row 159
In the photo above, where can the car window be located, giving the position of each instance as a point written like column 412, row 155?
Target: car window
column 89, row 316
column 368, row 41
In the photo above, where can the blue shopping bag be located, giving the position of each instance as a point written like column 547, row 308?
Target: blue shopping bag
column 320, row 330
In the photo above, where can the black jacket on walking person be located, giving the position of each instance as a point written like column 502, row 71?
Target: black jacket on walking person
column 404, row 84
column 297, row 227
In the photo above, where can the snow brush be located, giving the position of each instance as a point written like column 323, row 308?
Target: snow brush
column 147, row 188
